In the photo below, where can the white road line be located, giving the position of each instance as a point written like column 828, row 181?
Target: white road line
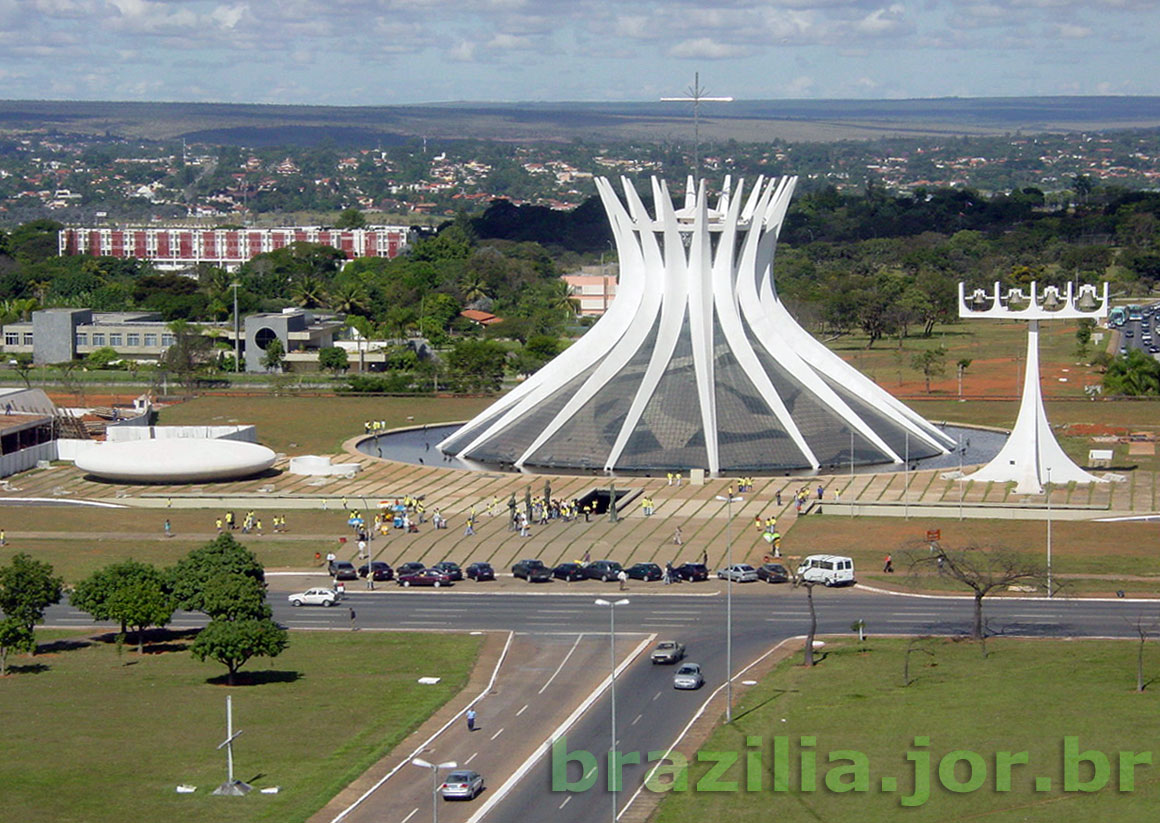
column 588, row 773
column 497, row 734
column 467, row 762
column 521, row 711
column 561, row 666
column 565, row 803
column 414, row 811
column 637, row 720
column 655, row 696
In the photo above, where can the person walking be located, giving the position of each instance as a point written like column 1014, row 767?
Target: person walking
column 471, row 720
column 352, row 624
column 677, row 540
column 218, row 523
column 888, row 566
column 622, row 578
column 168, row 528
column 668, row 573
column 470, row 528
column 779, row 497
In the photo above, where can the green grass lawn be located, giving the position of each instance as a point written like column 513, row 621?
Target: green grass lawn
column 305, row 425
column 1077, row 548
column 90, row 736
column 1025, row 697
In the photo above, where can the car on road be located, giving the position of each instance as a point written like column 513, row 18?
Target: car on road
column 314, row 597
column 569, row 572
column 343, row 570
column 829, row 569
column 603, row 570
column 424, row 577
column 773, row 573
column 691, row 572
column 462, row 785
column 410, row 568
column 645, row 571
column 380, row 569
column 480, row 571
column 450, row 569
column 534, row 571
column 738, row 573
column 668, row 651
column 688, row 677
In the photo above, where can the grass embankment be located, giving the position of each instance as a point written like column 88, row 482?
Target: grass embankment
column 1082, row 552
column 1025, row 697
column 93, row 737
column 305, row 425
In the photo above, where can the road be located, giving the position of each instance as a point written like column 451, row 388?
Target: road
column 563, row 655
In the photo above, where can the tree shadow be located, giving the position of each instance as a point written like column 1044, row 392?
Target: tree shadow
column 157, row 641
column 66, row 645
column 256, row 678
column 30, row 668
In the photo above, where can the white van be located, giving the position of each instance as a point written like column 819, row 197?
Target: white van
column 831, row 569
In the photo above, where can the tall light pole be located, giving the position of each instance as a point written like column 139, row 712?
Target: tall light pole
column 729, row 501
column 434, row 767
column 612, row 604
column 1048, row 530
column 237, row 342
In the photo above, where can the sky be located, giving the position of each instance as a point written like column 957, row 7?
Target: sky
column 390, row 52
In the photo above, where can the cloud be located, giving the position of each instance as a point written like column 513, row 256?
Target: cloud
column 1070, row 31
column 706, row 47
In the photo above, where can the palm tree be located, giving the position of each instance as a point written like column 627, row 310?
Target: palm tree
column 350, row 297
column 474, row 287
column 308, row 292
column 560, row 299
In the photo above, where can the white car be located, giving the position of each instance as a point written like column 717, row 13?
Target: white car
column 738, row 573
column 688, row 677
column 314, row 597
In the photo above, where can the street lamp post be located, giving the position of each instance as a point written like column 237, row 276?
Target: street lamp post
column 434, row 767
column 237, row 342
column 1048, row 489
column 729, row 501
column 612, row 604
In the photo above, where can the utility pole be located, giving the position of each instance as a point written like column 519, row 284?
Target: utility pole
column 696, row 96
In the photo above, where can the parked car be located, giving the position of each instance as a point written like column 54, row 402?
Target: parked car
column 534, row 571
column 410, row 568
column 604, row 570
column 830, row 569
column 644, row 571
column 480, row 571
column 738, row 573
column 773, row 573
column 424, row 577
column 668, row 651
column 688, row 677
column 343, row 570
column 381, row 570
column 569, row 572
column 314, row 597
column 450, row 569
column 691, row 572
column 462, row 785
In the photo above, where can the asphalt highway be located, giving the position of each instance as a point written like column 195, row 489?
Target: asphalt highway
column 650, row 712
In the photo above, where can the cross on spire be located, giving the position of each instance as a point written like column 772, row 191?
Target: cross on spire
column 696, row 96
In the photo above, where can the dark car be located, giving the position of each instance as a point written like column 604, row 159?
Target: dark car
column 604, row 570
column 450, row 569
column 569, row 572
column 480, row 571
column 409, row 568
column 534, row 571
column 343, row 570
column 692, row 572
column 379, row 569
column 773, row 573
column 424, row 577
column 645, row 571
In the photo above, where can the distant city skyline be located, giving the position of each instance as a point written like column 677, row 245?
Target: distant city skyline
column 391, row 52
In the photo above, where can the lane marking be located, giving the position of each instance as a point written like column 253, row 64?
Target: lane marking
column 565, row 803
column 467, row 762
column 637, row 720
column 562, row 662
column 414, row 811
column 655, row 696
column 521, row 711
column 497, row 734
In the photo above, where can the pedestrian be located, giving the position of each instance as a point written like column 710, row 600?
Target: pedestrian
column 219, row 525
column 352, row 617
column 668, row 573
column 622, row 577
column 330, row 558
column 470, row 529
column 821, row 492
column 670, row 478
column 779, row 497
column 3, row 538
column 678, row 476
column 677, row 536
column 587, row 556
column 362, row 548
column 168, row 528
column 705, row 557
column 471, row 720
column 888, row 566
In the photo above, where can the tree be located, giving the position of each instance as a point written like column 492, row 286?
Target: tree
column 961, row 365
column 14, row 637
column 1144, row 629
column 101, row 358
column 233, row 642
column 189, row 354
column 477, row 365
column 930, row 362
column 799, row 582
column 22, row 365
column 333, row 358
column 1083, row 336
column 201, row 581
column 132, row 593
column 983, row 571
column 273, row 356
column 1135, row 374
column 350, row 218
column 27, row 588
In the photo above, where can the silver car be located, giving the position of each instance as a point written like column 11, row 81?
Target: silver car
column 738, row 573
column 462, row 785
column 688, row 677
